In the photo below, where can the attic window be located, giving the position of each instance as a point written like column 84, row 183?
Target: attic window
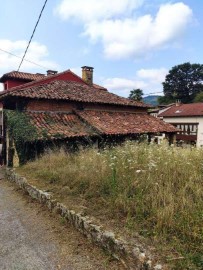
column 178, row 111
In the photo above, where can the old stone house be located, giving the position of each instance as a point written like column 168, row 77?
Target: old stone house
column 73, row 110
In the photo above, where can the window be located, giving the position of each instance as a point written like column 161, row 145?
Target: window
column 187, row 128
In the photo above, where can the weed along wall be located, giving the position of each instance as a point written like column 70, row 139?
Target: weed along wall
column 150, row 190
column 131, row 257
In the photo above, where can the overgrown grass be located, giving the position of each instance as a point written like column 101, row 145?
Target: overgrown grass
column 158, row 190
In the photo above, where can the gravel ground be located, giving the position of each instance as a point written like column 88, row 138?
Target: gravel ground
column 31, row 238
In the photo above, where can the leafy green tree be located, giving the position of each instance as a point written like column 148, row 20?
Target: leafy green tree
column 136, row 94
column 183, row 82
column 199, row 97
column 165, row 100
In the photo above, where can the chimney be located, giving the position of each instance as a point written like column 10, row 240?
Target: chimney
column 178, row 102
column 87, row 74
column 51, row 72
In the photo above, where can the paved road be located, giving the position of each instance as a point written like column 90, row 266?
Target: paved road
column 32, row 239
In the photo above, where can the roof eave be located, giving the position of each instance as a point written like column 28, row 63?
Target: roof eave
column 6, row 94
column 176, row 116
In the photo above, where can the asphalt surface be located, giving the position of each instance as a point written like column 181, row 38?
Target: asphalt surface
column 31, row 238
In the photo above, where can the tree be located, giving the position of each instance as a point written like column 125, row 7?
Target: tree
column 199, row 97
column 165, row 100
column 136, row 94
column 183, row 82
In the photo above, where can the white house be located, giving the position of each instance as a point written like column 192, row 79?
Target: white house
column 189, row 119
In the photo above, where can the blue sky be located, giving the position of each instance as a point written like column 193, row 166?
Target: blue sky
column 130, row 43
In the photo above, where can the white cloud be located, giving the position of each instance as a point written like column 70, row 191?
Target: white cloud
column 154, row 75
column 122, row 86
column 37, row 53
column 135, row 37
column 170, row 22
column 123, row 34
column 149, row 80
column 91, row 10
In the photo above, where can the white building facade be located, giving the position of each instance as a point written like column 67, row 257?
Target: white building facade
column 188, row 118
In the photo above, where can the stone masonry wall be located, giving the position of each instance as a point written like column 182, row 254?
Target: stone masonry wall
column 133, row 257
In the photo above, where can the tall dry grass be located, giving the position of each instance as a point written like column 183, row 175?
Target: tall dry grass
column 158, row 188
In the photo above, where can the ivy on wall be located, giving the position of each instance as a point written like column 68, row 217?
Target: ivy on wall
column 21, row 132
column 19, row 126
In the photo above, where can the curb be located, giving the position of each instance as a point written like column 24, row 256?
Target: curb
column 132, row 257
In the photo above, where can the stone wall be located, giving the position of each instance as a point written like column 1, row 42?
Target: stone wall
column 133, row 257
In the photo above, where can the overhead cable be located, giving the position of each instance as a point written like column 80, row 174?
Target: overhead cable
column 24, row 59
column 32, row 34
column 152, row 93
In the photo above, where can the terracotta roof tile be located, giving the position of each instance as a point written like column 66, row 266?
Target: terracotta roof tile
column 124, row 123
column 22, row 76
column 59, row 125
column 193, row 109
column 69, row 90
column 96, row 86
column 41, row 79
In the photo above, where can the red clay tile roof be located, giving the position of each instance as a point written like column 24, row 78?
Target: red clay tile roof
column 40, row 78
column 96, row 86
column 22, row 76
column 69, row 90
column 183, row 110
column 122, row 123
column 43, row 79
column 59, row 125
column 52, row 125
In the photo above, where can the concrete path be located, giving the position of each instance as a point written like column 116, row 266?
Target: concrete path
column 32, row 239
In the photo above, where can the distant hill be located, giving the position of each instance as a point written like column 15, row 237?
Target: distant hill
column 151, row 100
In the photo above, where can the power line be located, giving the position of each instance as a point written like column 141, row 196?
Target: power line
column 24, row 59
column 152, row 93
column 33, row 33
